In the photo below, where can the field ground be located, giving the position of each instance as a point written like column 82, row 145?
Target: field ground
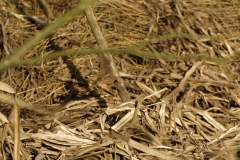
column 178, row 61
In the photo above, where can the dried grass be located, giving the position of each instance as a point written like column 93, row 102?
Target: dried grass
column 178, row 109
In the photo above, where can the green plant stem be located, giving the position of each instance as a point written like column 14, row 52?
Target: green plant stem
column 169, row 57
column 15, row 58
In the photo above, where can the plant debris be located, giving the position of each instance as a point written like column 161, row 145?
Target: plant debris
column 179, row 109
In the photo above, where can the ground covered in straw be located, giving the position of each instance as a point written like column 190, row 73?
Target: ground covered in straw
column 179, row 108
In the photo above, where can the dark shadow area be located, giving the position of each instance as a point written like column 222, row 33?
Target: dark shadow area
column 76, row 76
column 81, row 82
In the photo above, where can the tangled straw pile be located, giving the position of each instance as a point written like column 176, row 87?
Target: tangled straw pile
column 178, row 109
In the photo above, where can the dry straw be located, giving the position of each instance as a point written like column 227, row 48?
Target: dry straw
column 177, row 59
